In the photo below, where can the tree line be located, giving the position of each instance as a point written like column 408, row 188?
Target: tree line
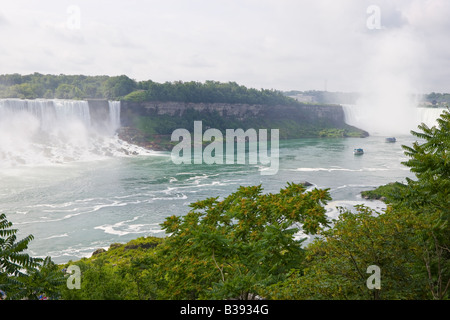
column 121, row 87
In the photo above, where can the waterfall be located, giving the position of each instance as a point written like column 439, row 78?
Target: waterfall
column 67, row 110
column 41, row 132
column 47, row 112
column 114, row 114
column 429, row 115
column 379, row 123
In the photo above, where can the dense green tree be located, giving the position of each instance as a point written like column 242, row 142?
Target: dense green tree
column 22, row 91
column 62, row 86
column 236, row 247
column 429, row 197
column 12, row 256
column 430, row 162
column 22, row 276
column 101, row 280
column 138, row 96
column 68, row 91
column 13, row 259
column 336, row 263
column 11, row 79
column 123, row 272
column 119, row 86
column 42, row 282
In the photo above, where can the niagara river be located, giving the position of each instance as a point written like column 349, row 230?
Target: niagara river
column 89, row 189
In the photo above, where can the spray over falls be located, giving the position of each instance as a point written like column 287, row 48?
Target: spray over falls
column 42, row 132
column 390, row 120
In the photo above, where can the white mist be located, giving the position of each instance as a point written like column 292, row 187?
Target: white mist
column 389, row 82
column 43, row 132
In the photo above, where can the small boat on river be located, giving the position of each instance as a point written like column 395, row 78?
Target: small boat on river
column 391, row 139
column 358, row 151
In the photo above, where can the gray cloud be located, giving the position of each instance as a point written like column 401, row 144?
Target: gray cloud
column 3, row 20
column 282, row 44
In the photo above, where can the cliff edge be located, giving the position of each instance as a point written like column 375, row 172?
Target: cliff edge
column 150, row 124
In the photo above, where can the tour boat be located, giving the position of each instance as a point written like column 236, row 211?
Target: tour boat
column 392, row 139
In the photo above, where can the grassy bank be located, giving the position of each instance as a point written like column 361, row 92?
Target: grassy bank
column 384, row 193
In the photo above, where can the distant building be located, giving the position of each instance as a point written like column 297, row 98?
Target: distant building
column 303, row 98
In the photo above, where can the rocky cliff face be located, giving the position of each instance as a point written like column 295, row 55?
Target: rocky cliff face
column 150, row 124
column 332, row 114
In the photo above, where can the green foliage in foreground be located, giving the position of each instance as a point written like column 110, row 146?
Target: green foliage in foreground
column 236, row 247
column 336, row 263
column 245, row 246
column 429, row 198
column 123, row 272
column 22, row 276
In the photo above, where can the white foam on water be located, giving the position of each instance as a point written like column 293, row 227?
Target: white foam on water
column 68, row 210
column 356, row 185
column 76, row 251
column 126, row 227
column 56, row 236
column 333, row 213
column 337, row 169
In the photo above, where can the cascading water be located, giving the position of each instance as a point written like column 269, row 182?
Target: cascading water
column 429, row 115
column 40, row 132
column 114, row 114
column 390, row 123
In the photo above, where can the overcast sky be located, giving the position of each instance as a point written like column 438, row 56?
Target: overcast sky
column 340, row 45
